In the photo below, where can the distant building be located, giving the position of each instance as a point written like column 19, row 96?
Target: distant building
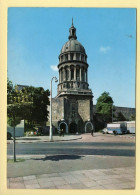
column 126, row 111
column 20, row 87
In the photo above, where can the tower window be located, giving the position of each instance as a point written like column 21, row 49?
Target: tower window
column 77, row 56
column 66, row 57
column 77, row 75
column 71, row 56
column 67, row 75
column 72, row 74
column 72, row 31
column 61, row 58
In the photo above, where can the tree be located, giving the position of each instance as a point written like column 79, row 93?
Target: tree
column 133, row 117
column 17, row 105
column 120, row 117
column 104, row 107
column 38, row 110
column 9, row 89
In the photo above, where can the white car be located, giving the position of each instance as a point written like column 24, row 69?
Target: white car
column 105, row 131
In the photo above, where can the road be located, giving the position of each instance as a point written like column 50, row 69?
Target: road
column 74, row 148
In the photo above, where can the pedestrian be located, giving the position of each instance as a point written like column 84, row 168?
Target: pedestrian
column 92, row 132
column 62, row 132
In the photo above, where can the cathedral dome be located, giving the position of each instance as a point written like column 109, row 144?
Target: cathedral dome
column 73, row 46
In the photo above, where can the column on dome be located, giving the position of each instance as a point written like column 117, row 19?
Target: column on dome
column 83, row 75
column 80, row 73
column 80, row 56
column 68, row 56
column 59, row 76
column 64, row 74
column 70, row 74
column 86, row 76
column 74, row 57
column 74, row 73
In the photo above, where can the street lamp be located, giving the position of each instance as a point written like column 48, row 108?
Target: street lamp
column 51, row 138
column 112, row 112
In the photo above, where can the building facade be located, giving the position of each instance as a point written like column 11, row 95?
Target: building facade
column 72, row 108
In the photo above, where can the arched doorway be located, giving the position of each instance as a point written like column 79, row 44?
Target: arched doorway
column 88, row 127
column 63, row 125
column 73, row 127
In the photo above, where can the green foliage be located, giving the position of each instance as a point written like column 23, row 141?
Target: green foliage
column 13, row 122
column 17, row 104
column 17, row 160
column 9, row 89
column 98, row 122
column 29, row 104
column 38, row 112
column 133, row 117
column 104, row 107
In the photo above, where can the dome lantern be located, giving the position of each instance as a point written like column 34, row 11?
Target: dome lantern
column 72, row 31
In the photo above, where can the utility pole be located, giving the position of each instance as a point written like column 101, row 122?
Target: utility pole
column 112, row 112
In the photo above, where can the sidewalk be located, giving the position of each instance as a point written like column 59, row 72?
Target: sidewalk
column 98, row 137
column 116, row 178
column 33, row 139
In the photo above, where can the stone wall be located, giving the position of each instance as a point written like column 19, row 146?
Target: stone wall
column 72, row 109
column 127, row 112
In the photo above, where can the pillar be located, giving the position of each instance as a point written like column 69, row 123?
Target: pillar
column 70, row 74
column 59, row 77
column 74, row 73
column 80, row 73
column 86, row 77
column 64, row 74
column 74, row 57
column 68, row 56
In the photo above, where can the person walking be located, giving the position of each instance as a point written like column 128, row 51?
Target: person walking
column 92, row 132
column 62, row 131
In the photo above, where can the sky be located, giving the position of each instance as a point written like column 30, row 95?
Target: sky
column 36, row 36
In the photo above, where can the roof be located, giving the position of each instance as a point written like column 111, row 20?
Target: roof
column 73, row 46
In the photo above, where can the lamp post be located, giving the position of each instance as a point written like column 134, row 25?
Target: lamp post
column 112, row 112
column 51, row 133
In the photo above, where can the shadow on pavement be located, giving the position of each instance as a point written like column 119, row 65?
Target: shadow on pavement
column 60, row 157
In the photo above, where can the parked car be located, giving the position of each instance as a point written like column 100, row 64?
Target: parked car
column 105, row 131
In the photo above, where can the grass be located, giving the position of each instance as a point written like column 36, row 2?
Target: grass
column 17, row 160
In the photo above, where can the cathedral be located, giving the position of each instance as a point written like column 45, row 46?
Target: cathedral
column 72, row 108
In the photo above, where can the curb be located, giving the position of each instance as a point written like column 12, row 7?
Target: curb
column 17, row 141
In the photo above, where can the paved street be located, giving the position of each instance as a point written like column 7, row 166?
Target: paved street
column 91, row 162
column 74, row 148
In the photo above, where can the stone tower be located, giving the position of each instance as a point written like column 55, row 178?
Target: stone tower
column 73, row 106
